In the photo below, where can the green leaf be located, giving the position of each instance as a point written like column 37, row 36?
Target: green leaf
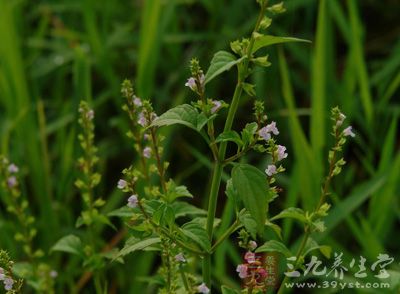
column 292, row 212
column 232, row 194
column 275, row 246
column 135, row 244
column 249, row 223
column 184, row 114
column 252, row 188
column 277, row 229
column 312, row 245
column 248, row 133
column 164, row 215
column 230, row 136
column 222, row 61
column 249, row 89
column 226, row 290
column 267, row 40
column 198, row 234
column 70, row 243
column 182, row 209
column 174, row 191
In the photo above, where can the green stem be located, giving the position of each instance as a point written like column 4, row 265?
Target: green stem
column 225, row 235
column 185, row 280
column 218, row 165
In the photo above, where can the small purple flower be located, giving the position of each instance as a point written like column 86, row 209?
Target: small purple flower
column 147, row 152
column 122, row 184
column 348, row 132
column 132, row 201
column 142, row 120
column 8, row 284
column 180, row 257
column 137, row 101
column 191, row 83
column 250, row 257
column 53, row 274
column 264, row 133
column 242, row 270
column 203, row 289
column 271, row 170
column 253, row 245
column 271, row 128
column 281, row 154
column 146, row 137
column 12, row 182
column 90, row 114
column 340, row 120
column 217, row 105
column 12, row 168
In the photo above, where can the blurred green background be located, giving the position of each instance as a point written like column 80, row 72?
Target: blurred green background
column 54, row 53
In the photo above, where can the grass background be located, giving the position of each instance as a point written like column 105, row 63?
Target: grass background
column 54, row 53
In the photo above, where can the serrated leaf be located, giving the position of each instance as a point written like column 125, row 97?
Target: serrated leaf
column 164, row 215
column 198, row 234
column 135, row 244
column 184, row 114
column 292, row 212
column 274, row 246
column 267, row 40
column 70, row 243
column 252, row 188
column 222, row 61
column 231, row 136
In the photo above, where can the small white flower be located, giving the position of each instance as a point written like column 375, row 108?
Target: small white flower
column 146, row 137
column 191, row 83
column 203, row 289
column 90, row 114
column 271, row 128
column 137, row 101
column 180, row 257
column 263, row 133
column 250, row 257
column 348, row 132
column 281, row 154
column 217, row 105
column 132, row 201
column 12, row 168
column 122, row 184
column 242, row 270
column 202, row 79
column 147, row 152
column 341, row 119
column 253, row 245
column 142, row 120
column 8, row 284
column 270, row 171
column 53, row 274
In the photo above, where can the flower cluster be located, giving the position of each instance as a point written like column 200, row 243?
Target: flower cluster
column 10, row 284
column 277, row 152
column 252, row 270
column 196, row 82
